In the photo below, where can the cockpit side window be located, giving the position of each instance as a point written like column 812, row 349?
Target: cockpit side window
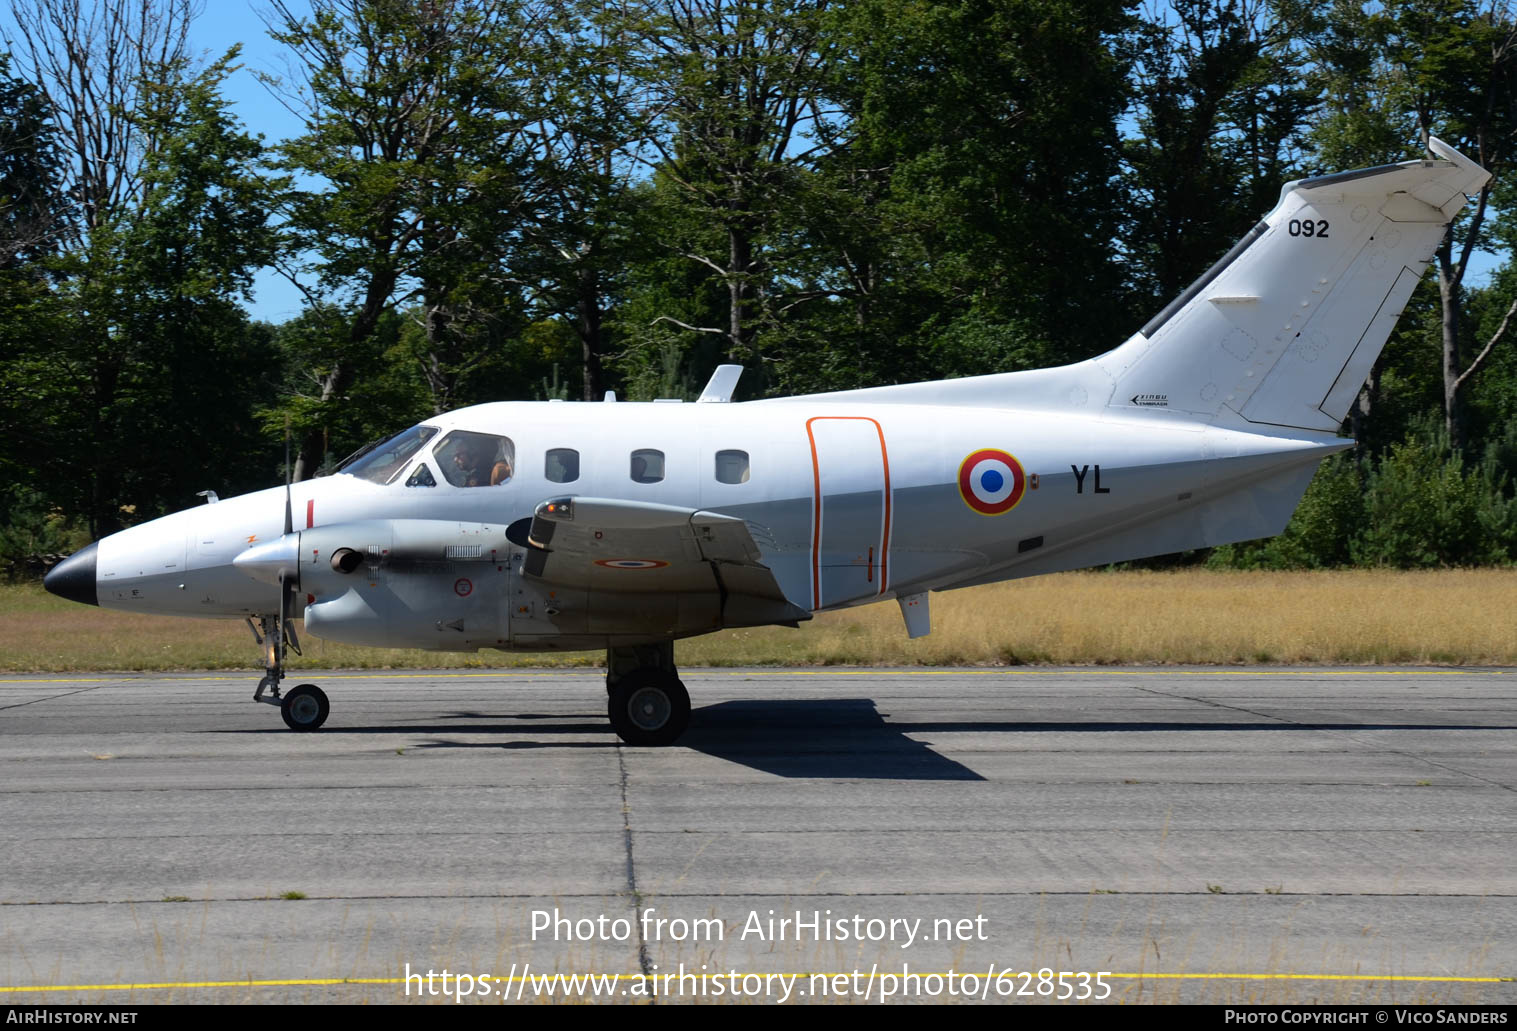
column 469, row 459
column 421, row 476
column 386, row 461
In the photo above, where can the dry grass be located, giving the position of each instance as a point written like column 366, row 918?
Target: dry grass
column 1451, row 617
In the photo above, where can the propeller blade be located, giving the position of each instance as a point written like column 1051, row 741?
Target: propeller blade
column 289, row 514
column 289, row 578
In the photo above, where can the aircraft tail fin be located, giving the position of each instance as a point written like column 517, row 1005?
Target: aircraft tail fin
column 1281, row 332
column 1284, row 329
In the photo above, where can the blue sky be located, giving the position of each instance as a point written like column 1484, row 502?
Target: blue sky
column 229, row 22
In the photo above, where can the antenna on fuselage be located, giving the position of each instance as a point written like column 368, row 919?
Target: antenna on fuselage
column 721, row 385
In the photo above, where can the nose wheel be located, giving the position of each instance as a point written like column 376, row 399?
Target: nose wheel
column 305, row 707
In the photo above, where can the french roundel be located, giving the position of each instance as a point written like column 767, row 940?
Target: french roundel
column 631, row 563
column 991, row 481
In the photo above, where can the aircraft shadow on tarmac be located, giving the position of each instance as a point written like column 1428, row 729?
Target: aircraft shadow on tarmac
column 844, row 738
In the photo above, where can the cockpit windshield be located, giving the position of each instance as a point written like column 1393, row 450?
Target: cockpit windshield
column 385, row 461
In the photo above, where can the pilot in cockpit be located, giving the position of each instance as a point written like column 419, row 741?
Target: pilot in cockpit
column 475, row 460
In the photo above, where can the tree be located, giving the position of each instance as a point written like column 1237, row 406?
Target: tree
column 90, row 60
column 980, row 180
column 576, row 240
column 740, row 93
column 33, row 209
column 417, row 155
column 143, row 383
column 1222, row 114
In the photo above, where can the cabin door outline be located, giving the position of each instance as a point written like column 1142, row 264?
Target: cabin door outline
column 851, row 509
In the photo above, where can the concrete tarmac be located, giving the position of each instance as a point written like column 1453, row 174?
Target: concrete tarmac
column 1205, row 835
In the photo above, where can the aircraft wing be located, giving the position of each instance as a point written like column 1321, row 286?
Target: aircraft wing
column 608, row 546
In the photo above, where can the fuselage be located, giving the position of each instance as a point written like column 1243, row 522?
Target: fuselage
column 849, row 503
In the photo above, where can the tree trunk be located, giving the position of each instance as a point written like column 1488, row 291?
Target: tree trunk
column 303, row 465
column 440, row 382
column 1358, row 416
column 588, row 325
column 1448, row 297
column 739, row 256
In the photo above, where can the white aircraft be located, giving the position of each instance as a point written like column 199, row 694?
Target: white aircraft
column 544, row 526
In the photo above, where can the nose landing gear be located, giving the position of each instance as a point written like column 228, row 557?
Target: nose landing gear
column 305, row 707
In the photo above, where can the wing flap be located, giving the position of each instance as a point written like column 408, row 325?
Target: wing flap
column 618, row 548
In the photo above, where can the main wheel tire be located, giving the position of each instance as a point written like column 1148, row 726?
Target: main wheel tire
column 649, row 707
column 305, row 707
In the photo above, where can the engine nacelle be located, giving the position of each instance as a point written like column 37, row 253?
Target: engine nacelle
column 407, row 583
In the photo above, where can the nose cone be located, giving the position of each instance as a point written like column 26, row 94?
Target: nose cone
column 74, row 577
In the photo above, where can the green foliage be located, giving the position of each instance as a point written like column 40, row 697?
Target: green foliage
column 984, row 153
column 1423, row 508
column 137, row 369
column 1418, row 506
column 739, row 120
column 31, row 527
column 32, row 201
column 419, row 162
column 1221, row 112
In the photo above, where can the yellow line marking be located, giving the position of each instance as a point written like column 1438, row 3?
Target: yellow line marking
column 1114, row 673
column 558, row 979
column 1318, row 977
column 59, row 680
column 291, row 982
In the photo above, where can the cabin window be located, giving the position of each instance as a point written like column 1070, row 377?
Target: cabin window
column 732, row 467
column 421, row 477
column 468, row 459
column 561, row 465
column 647, row 465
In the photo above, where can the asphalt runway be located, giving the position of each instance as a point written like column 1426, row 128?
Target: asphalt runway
column 1206, row 835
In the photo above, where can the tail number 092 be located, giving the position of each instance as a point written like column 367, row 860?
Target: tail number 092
column 1306, row 227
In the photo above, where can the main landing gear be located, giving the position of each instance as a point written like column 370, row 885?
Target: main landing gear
column 305, row 707
column 645, row 699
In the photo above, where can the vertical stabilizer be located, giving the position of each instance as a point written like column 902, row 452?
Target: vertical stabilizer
column 1284, row 329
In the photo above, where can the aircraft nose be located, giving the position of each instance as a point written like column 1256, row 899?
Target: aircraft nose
column 74, row 577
